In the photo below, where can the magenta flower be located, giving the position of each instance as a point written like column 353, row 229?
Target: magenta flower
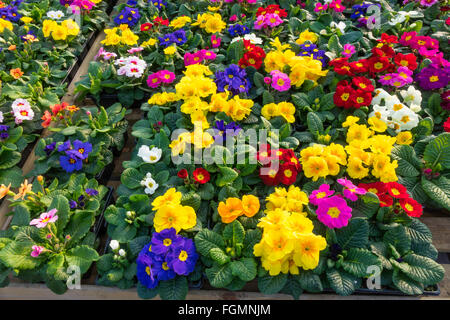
column 423, row 51
column 350, row 190
column 337, row 6
column 320, row 7
column 134, row 50
column 233, row 18
column 37, row 250
column 334, row 212
column 208, row 55
column 405, row 73
column 267, row 80
column 215, row 41
column 272, row 20
column 166, row 76
column 153, row 80
column 387, row 79
column 399, row 81
column 44, row 219
column 280, row 81
column 260, row 23
column 349, row 50
column 428, row 3
column 322, row 193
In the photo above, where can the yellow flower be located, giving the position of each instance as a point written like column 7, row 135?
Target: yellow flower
column 358, row 132
column 213, row 9
column 59, row 33
column 356, row 169
column 5, row 24
column 332, row 164
column 4, row 190
column 270, row 110
column 180, row 22
column 279, row 243
column 215, row 24
column 315, row 168
column 274, row 220
column 148, row 43
column 299, row 224
column 277, row 44
column 72, row 27
column 174, row 216
column 307, row 36
column 170, row 197
column 170, row 50
column 351, row 120
column 129, row 38
column 48, row 26
column 24, row 189
column 405, row 138
column 377, row 124
column 178, row 145
column 307, row 250
column 315, row 150
column 230, row 210
column 382, row 144
column 338, row 151
column 26, row 20
column 287, row 111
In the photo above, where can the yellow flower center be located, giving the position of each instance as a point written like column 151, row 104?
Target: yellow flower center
column 183, row 255
column 409, row 207
column 434, row 78
column 334, row 212
column 148, row 271
column 288, row 173
column 378, row 65
column 395, row 192
column 321, row 195
column 345, row 96
column 167, row 242
column 164, row 266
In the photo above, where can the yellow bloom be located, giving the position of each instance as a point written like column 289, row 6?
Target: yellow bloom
column 148, row 43
column 129, row 38
column 270, row 110
column 112, row 38
column 72, row 27
column 315, row 150
column 48, row 26
column 24, row 189
column 5, row 24
column 299, row 224
column 279, row 244
column 59, row 33
column 307, row 36
column 382, row 144
column 287, row 111
column 315, row 168
column 277, row 44
column 274, row 220
column 4, row 190
column 307, row 251
column 26, row 20
column 170, row 197
column 377, row 124
column 178, row 145
column 356, row 169
column 170, row 50
column 215, row 24
column 404, row 137
column 358, row 132
column 351, row 120
column 174, row 216
column 180, row 22
column 230, row 210
column 338, row 151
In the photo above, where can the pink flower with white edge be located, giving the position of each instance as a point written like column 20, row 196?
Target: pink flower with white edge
column 135, row 71
column 280, row 81
column 135, row 50
column 136, row 61
column 22, row 110
column 349, row 50
column 108, row 55
column 350, row 190
column 44, row 219
column 166, row 76
column 37, row 250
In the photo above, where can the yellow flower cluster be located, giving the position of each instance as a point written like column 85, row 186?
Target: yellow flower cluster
column 5, row 24
column 367, row 149
column 180, row 22
column 149, row 43
column 198, row 138
column 211, row 23
column 301, row 67
column 162, row 98
column 171, row 214
column 319, row 161
column 121, row 35
column 307, row 36
column 288, row 242
column 236, row 108
column 61, row 31
column 283, row 109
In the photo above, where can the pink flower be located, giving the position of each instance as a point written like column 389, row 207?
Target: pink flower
column 428, row 3
column 387, row 79
column 193, row 58
column 134, row 50
column 320, row 7
column 37, row 250
column 405, row 73
column 427, row 53
column 349, row 50
column 350, row 190
column 233, row 18
column 153, row 80
column 267, row 80
column 447, row 22
column 399, row 81
column 407, row 38
column 280, row 81
column 215, row 41
column 166, row 76
column 272, row 20
column 322, row 193
column 337, row 6
column 109, row 55
column 260, row 23
column 99, row 53
column 208, row 55
column 334, row 212
column 44, row 219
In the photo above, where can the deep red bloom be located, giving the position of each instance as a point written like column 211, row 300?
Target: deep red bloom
column 378, row 64
column 288, row 174
column 161, row 21
column 270, row 179
column 385, row 200
column 183, row 174
column 343, row 95
column 361, row 98
column 385, row 38
column 376, row 187
column 273, row 8
column 406, row 60
column 397, row 190
column 146, row 26
column 290, row 158
column 201, row 176
column 447, row 125
column 411, row 207
column 359, row 66
column 384, row 51
column 363, row 83
column 251, row 59
column 407, row 38
column 341, row 66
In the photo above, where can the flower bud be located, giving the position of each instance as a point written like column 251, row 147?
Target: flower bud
column 122, row 253
column 114, row 244
column 40, row 179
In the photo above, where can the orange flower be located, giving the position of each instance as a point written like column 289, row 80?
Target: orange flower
column 16, row 73
column 72, row 108
column 250, row 205
column 12, row 47
column 24, row 189
column 4, row 190
column 47, row 117
column 230, row 210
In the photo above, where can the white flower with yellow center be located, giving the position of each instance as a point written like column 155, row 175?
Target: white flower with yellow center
column 412, row 97
column 150, row 155
column 405, row 118
column 149, row 184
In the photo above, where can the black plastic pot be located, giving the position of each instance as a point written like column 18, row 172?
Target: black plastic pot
column 434, row 291
column 103, row 176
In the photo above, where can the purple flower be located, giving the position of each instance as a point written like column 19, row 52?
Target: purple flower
column 183, row 258
column 145, row 269
column 73, row 204
column 65, row 146
column 91, row 192
column 433, row 77
column 162, row 270
column 49, row 148
column 230, row 130
column 233, row 79
column 80, row 149
column 165, row 240
column 350, row 190
column 322, row 193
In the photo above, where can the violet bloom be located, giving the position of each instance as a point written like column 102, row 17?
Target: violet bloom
column 91, row 192
column 433, row 77
column 322, row 193
column 44, row 219
column 37, row 250
column 445, row 98
column 230, row 130
column 49, row 148
column 350, row 190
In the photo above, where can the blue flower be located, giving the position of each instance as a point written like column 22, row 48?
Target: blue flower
column 183, row 258
column 238, row 30
column 164, row 241
column 179, row 37
column 145, row 269
column 73, row 204
column 80, row 149
column 65, row 146
column 129, row 16
column 49, row 148
column 162, row 270
column 158, row 3
column 233, row 79
column 166, row 40
column 91, row 192
column 70, row 163
column 232, row 129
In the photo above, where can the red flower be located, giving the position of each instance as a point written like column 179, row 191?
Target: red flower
column 361, row 98
column 273, row 8
column 359, row 66
column 384, row 51
column 270, row 179
column 376, row 187
column 58, row 108
column 411, row 207
column 201, row 175
column 378, row 64
column 406, row 60
column 343, row 95
column 396, row 190
column 264, row 154
column 288, row 174
column 341, row 66
column 447, row 125
column 289, row 158
column 251, row 59
column 385, row 200
column 363, row 83
column 183, row 174
column 146, row 26
column 161, row 21
column 385, row 39
column 47, row 117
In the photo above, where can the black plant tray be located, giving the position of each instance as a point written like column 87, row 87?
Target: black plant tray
column 433, row 291
column 108, row 99
column 103, row 176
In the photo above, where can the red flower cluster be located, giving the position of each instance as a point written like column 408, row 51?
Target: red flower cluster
column 288, row 166
column 273, row 8
column 57, row 113
column 347, row 96
column 389, row 192
column 160, row 21
column 447, row 125
column 253, row 56
column 200, row 175
column 146, row 26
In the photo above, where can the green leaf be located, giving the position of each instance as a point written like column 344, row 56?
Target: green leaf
column 315, row 125
column 354, row 235
column 206, row 239
column 358, row 260
column 423, row 269
column 146, row 293
column 272, row 284
column 79, row 225
column 245, row 269
column 131, row 178
column 252, row 237
column 174, row 289
column 408, row 163
column 61, row 204
column 438, row 151
column 234, row 232
column 16, row 255
column 309, row 281
column 438, row 190
column 21, row 216
column 399, row 238
column 341, row 282
column 57, row 286
column 219, row 256
column 82, row 256
column 9, row 158
column 227, row 175
column 220, row 276
column 293, row 288
column 406, row 284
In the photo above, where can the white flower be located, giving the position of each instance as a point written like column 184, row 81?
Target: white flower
column 149, row 184
column 1, row 117
column 411, row 97
column 150, row 155
column 382, row 95
column 341, row 26
column 381, row 113
column 235, row 39
column 22, row 110
column 114, row 244
column 120, row 61
column 415, row 107
column 397, row 19
column 327, row 1
column 52, row 14
column 133, row 60
column 122, row 253
column 253, row 38
column 405, row 118
column 131, row 70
